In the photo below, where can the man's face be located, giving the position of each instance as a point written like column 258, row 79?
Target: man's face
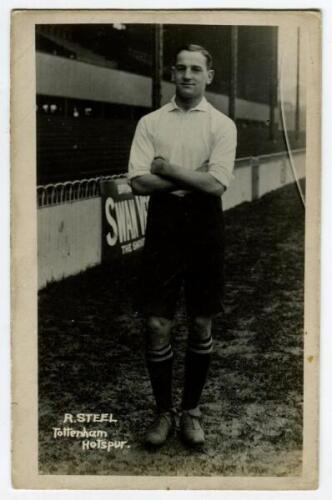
column 191, row 75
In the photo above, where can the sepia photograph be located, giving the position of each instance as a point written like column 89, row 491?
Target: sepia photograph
column 173, row 181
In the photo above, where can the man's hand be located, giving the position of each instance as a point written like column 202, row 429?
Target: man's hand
column 159, row 166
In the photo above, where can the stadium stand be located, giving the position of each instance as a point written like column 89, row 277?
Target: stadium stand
column 79, row 138
column 73, row 148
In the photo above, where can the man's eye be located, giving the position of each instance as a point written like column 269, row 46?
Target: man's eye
column 194, row 69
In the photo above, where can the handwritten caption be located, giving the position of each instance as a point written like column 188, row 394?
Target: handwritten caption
column 91, row 439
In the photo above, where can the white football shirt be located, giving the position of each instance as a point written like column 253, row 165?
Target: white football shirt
column 185, row 138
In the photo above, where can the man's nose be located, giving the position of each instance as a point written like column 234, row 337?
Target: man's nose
column 187, row 74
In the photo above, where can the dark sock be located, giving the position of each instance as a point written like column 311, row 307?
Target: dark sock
column 196, row 369
column 159, row 363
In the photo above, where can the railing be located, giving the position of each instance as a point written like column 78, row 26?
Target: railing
column 83, row 189
column 70, row 191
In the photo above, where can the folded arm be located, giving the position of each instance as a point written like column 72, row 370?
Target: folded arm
column 150, row 183
column 197, row 180
column 158, row 180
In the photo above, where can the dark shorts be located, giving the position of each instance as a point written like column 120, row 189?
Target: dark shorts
column 184, row 245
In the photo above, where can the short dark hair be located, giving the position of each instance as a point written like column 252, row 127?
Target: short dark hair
column 191, row 47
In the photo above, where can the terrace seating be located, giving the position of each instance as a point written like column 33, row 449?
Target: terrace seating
column 72, row 148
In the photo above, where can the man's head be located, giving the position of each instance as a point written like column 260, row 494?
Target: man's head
column 192, row 72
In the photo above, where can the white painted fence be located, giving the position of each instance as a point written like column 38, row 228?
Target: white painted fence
column 69, row 219
column 69, row 239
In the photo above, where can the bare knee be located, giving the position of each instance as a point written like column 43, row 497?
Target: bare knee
column 200, row 327
column 158, row 331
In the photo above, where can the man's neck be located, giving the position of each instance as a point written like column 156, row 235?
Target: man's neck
column 187, row 104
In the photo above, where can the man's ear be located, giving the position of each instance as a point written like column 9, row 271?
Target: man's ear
column 210, row 76
column 173, row 74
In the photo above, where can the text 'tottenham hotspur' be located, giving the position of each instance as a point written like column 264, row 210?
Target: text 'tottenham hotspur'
column 91, row 439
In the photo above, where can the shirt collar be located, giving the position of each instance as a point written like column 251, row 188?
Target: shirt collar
column 201, row 106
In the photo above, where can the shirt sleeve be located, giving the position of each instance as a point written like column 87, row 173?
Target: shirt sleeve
column 141, row 152
column 222, row 157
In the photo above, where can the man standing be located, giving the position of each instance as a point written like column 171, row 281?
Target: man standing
column 182, row 155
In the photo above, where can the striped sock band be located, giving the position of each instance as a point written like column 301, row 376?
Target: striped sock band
column 200, row 346
column 161, row 354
